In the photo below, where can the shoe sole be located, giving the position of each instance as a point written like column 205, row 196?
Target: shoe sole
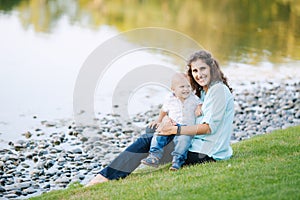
column 149, row 164
column 173, row 169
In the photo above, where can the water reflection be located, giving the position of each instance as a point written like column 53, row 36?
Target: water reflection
column 242, row 31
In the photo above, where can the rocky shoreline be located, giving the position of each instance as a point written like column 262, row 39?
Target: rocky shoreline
column 59, row 153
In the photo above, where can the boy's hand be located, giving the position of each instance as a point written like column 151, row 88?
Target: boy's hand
column 153, row 124
column 198, row 111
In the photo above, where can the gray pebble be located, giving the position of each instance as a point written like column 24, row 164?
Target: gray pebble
column 62, row 180
column 2, row 189
column 10, row 196
column 30, row 190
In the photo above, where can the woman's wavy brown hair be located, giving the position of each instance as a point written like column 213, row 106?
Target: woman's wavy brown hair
column 215, row 71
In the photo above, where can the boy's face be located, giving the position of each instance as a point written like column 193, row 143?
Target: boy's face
column 181, row 88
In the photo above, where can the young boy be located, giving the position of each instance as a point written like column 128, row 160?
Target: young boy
column 182, row 106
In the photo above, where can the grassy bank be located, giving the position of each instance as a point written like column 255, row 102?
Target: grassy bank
column 263, row 167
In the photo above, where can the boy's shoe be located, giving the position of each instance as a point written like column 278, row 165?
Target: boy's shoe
column 174, row 167
column 151, row 161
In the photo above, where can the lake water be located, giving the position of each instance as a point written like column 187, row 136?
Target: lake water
column 43, row 45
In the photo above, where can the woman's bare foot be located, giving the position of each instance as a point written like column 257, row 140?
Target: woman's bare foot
column 97, row 180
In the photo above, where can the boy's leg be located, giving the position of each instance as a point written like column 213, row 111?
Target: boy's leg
column 156, row 150
column 166, row 157
column 182, row 144
column 158, row 142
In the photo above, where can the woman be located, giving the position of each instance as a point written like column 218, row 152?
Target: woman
column 212, row 131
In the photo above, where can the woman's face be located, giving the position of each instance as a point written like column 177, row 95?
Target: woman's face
column 201, row 73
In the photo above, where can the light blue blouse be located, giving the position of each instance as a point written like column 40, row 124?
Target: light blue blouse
column 218, row 112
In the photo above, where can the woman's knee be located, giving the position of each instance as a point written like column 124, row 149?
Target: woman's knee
column 150, row 130
column 142, row 144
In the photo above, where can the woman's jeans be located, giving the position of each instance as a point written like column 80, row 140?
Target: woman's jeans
column 131, row 157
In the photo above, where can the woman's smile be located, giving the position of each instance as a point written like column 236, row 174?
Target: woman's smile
column 201, row 72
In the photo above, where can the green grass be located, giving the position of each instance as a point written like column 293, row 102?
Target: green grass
column 263, row 167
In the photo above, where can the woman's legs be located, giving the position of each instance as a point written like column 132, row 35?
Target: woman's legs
column 197, row 158
column 96, row 180
column 129, row 159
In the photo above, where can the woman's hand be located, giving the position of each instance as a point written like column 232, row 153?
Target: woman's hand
column 166, row 127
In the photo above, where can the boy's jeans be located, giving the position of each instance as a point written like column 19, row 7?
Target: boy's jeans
column 182, row 144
